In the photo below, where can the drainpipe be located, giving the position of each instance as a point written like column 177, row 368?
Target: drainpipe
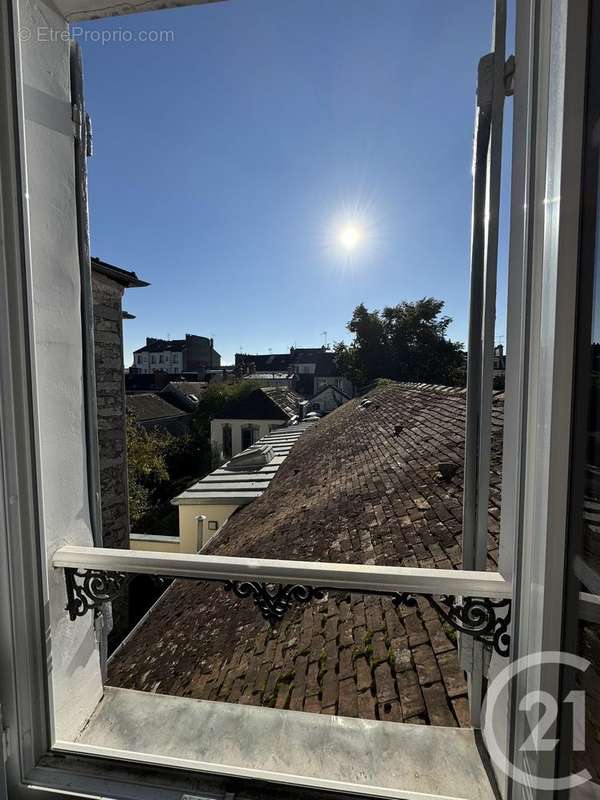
column 200, row 520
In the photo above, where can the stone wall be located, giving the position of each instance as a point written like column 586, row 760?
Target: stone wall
column 110, row 391
column 110, row 395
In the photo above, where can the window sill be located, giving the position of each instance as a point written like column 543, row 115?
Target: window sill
column 378, row 759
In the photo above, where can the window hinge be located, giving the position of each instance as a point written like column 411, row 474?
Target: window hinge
column 82, row 128
column 77, row 120
column 4, row 735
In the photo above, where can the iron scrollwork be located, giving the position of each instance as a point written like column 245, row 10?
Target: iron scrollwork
column 273, row 600
column 472, row 616
column 90, row 588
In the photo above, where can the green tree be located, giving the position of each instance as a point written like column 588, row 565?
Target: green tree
column 214, row 402
column 146, row 466
column 161, row 466
column 406, row 342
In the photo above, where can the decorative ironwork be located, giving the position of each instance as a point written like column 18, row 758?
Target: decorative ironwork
column 274, row 599
column 90, row 589
column 472, row 616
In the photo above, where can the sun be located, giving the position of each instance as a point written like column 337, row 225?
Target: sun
column 350, row 236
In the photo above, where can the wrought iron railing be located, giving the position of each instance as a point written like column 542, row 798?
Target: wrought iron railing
column 476, row 604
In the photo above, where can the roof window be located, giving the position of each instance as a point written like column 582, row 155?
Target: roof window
column 253, row 458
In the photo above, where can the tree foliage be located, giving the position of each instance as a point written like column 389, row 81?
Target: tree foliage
column 406, row 342
column 217, row 398
column 161, row 466
column 146, row 466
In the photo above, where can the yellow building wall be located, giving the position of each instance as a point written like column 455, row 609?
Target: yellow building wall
column 153, row 546
column 188, row 521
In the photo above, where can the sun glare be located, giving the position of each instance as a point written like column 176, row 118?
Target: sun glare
column 350, row 236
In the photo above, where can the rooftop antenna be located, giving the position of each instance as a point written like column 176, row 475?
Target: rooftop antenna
column 324, row 335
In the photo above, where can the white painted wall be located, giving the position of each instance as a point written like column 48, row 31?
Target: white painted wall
column 75, row 680
column 340, row 382
column 169, row 361
column 264, row 426
column 327, row 401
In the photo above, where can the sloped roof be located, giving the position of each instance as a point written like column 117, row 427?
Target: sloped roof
column 181, row 393
column 123, row 276
column 239, row 487
column 324, row 360
column 162, row 346
column 264, row 362
column 188, row 387
column 264, row 403
column 147, row 407
column 329, row 388
column 361, row 486
column 286, row 399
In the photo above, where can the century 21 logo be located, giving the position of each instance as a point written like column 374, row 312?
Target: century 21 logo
column 537, row 741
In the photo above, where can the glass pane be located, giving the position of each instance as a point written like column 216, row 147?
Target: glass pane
column 584, row 737
column 260, row 434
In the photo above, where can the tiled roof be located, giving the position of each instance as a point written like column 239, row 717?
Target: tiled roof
column 162, row 346
column 361, row 486
column 264, row 403
column 284, row 398
column 182, row 393
column 150, row 406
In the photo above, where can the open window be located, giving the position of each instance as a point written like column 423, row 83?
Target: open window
column 67, row 730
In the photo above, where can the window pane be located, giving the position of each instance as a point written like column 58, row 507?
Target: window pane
column 585, row 533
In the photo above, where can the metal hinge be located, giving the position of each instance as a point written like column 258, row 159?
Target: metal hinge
column 89, row 137
column 4, row 731
column 77, row 120
column 82, row 128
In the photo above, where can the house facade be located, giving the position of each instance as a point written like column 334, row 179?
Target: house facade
column 251, row 418
column 192, row 354
column 309, row 369
column 206, row 506
column 327, row 399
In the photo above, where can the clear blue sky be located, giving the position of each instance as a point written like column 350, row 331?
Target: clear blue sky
column 225, row 161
